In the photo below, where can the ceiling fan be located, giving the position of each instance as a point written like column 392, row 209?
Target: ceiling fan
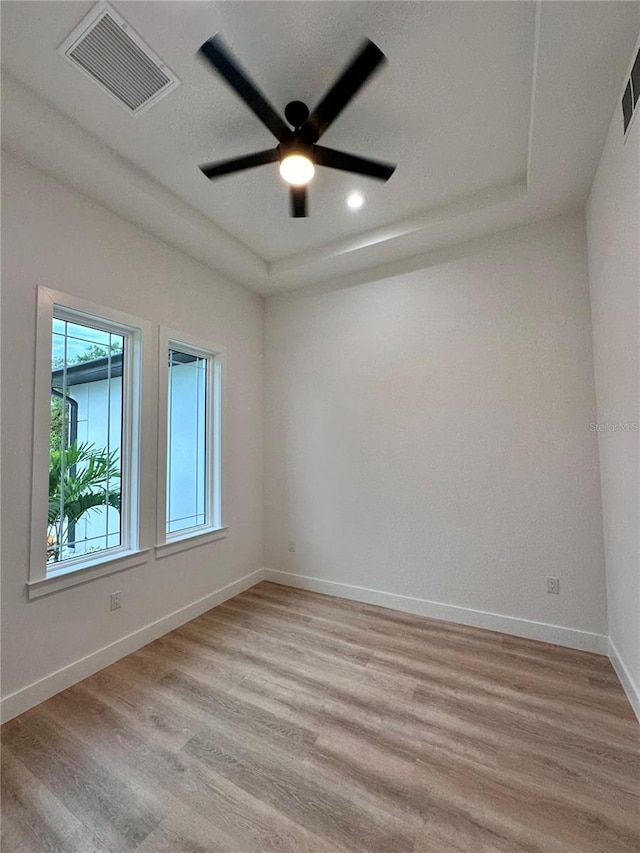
column 297, row 149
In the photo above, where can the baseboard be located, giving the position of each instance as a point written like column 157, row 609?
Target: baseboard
column 628, row 684
column 556, row 634
column 20, row 701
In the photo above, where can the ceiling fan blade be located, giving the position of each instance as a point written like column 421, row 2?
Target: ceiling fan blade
column 354, row 76
column 298, row 201
column 236, row 164
column 352, row 163
column 218, row 56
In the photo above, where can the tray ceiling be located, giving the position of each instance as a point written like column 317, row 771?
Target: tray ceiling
column 494, row 112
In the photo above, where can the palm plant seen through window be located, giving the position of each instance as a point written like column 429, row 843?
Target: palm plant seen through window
column 85, row 441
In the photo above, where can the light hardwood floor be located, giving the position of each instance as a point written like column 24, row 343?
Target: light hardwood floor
column 294, row 722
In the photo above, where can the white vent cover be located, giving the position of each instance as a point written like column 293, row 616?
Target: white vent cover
column 106, row 50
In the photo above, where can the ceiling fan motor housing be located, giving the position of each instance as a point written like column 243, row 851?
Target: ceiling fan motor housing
column 296, row 113
column 295, row 145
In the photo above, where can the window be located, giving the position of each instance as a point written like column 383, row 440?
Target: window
column 85, row 441
column 190, row 444
column 85, row 478
column 186, row 441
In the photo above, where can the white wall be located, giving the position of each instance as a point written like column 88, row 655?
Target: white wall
column 54, row 237
column 613, row 223
column 428, row 435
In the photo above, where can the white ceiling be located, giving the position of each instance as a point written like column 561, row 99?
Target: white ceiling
column 495, row 112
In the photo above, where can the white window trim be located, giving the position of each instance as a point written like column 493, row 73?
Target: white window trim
column 214, row 527
column 129, row 554
column 106, row 565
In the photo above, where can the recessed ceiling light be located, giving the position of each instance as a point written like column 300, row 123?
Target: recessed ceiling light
column 355, row 200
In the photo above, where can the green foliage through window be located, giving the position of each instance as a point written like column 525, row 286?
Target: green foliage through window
column 81, row 479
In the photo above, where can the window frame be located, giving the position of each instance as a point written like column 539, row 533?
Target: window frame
column 41, row 581
column 213, row 527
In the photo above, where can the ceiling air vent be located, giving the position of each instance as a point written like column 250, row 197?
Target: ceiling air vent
column 106, row 50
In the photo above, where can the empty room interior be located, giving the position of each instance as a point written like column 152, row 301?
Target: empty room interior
column 320, row 427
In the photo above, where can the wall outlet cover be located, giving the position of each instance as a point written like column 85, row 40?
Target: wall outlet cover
column 553, row 585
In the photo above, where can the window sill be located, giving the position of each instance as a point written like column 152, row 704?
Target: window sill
column 192, row 540
column 76, row 576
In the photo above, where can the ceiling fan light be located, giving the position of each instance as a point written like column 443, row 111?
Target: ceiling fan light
column 297, row 170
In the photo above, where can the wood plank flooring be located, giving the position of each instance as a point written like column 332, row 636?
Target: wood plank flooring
column 294, row 722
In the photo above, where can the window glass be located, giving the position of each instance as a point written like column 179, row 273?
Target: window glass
column 187, row 449
column 85, row 441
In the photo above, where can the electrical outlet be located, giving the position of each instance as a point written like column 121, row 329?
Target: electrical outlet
column 292, row 545
column 553, row 585
column 116, row 600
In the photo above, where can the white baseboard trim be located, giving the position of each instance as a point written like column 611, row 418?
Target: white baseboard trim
column 556, row 634
column 20, row 701
column 628, row 684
